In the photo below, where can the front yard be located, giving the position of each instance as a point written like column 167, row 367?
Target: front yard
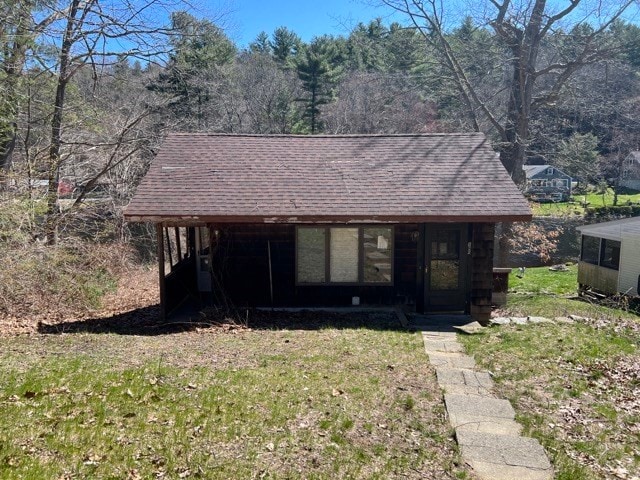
column 334, row 401
column 574, row 386
column 309, row 395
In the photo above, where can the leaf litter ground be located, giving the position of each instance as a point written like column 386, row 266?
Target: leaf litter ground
column 301, row 395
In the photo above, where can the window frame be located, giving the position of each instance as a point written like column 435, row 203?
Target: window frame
column 603, row 248
column 327, row 257
column 582, row 242
column 602, row 245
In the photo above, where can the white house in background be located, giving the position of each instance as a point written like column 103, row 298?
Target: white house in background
column 546, row 183
column 630, row 174
column 610, row 257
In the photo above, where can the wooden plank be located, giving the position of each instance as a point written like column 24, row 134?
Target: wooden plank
column 161, row 272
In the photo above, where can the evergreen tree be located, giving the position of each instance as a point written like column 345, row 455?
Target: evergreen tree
column 200, row 49
column 260, row 44
column 317, row 69
column 285, row 45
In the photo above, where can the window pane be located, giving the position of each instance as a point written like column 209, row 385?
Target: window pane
column 378, row 249
column 344, row 255
column 444, row 274
column 590, row 250
column 311, row 255
column 610, row 254
column 445, row 245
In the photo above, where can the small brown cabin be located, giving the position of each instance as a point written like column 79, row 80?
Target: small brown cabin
column 285, row 220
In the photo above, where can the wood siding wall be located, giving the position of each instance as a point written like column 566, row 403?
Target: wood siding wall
column 241, row 264
column 481, row 270
column 602, row 279
column 629, row 278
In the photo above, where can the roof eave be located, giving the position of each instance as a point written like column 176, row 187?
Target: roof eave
column 325, row 219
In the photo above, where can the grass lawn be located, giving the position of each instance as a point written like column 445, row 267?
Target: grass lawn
column 542, row 280
column 575, row 387
column 576, row 208
column 331, row 402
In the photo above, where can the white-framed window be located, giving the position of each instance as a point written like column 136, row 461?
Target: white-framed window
column 550, row 171
column 347, row 255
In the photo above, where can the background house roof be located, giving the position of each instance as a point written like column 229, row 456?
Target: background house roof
column 533, row 170
column 289, row 178
column 613, row 230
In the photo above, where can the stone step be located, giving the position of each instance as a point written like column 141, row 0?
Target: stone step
column 463, row 376
column 477, row 423
column 451, row 360
column 504, row 450
column 481, row 406
column 435, row 346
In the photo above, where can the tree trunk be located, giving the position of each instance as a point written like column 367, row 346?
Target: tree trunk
column 7, row 144
column 52, row 216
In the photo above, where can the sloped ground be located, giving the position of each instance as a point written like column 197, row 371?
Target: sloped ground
column 134, row 300
column 115, row 394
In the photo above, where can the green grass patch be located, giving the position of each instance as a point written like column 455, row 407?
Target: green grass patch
column 542, row 280
column 326, row 403
column 577, row 204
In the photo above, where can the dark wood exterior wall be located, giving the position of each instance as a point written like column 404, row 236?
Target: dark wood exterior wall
column 241, row 265
column 482, row 235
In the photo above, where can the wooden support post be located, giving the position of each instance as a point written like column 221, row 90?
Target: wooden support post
column 270, row 271
column 420, row 264
column 161, row 272
column 178, row 246
column 166, row 231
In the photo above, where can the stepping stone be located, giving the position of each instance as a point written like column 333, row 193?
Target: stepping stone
column 431, row 346
column 471, row 328
column 495, row 471
column 452, row 360
column 502, row 449
column 500, row 321
column 540, row 320
column 476, row 423
column 564, row 320
column 457, row 376
column 481, row 406
column 519, row 320
column 455, row 389
column 444, row 336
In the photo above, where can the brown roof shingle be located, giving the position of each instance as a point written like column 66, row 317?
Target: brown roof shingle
column 290, row 178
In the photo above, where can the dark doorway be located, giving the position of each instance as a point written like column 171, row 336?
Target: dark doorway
column 446, row 277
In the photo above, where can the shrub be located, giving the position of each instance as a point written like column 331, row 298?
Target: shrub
column 611, row 211
column 35, row 279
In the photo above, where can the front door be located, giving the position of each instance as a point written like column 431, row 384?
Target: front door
column 445, row 270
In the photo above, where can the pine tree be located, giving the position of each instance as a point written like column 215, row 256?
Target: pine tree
column 318, row 69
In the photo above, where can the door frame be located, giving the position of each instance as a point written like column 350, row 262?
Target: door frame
column 422, row 277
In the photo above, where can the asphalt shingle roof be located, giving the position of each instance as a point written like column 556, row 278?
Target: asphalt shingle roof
column 290, row 178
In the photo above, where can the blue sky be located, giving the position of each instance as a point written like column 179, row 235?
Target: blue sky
column 308, row 18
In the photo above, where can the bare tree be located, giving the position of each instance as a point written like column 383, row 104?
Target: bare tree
column 268, row 94
column 379, row 103
column 572, row 34
column 93, row 33
column 23, row 21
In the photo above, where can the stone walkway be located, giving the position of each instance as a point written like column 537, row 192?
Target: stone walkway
column 488, row 436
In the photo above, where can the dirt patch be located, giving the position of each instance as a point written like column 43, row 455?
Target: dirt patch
column 137, row 294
